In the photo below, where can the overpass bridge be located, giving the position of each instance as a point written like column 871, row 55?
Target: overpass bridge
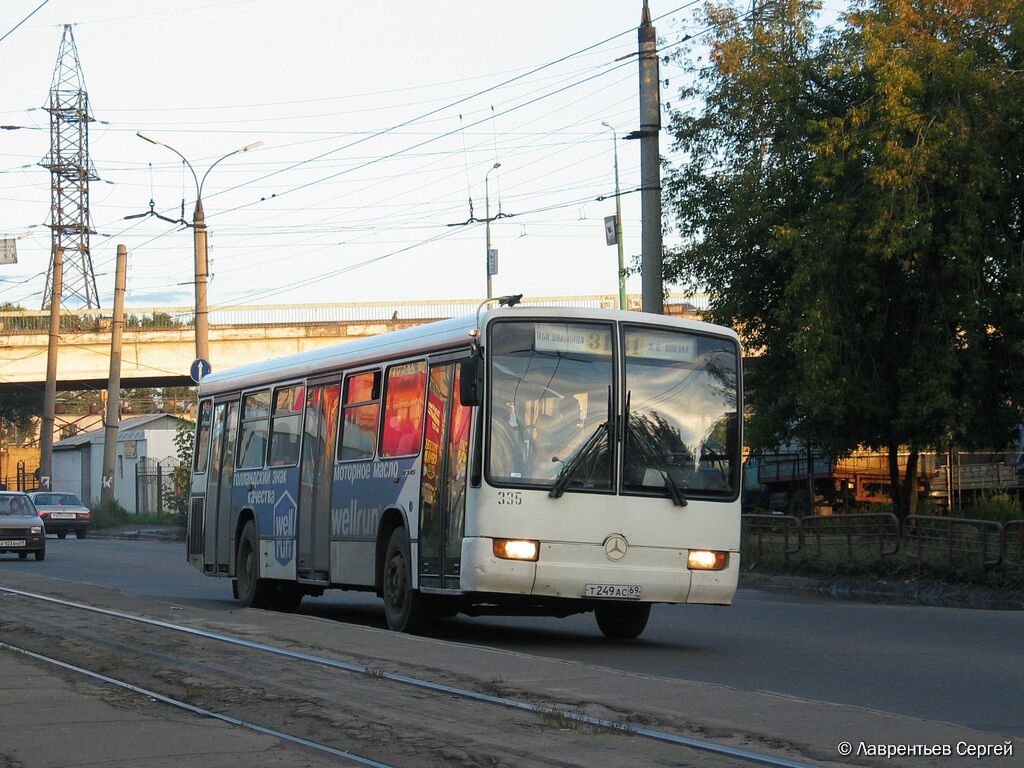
column 158, row 344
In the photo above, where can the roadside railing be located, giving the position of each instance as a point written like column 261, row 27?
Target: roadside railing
column 1013, row 541
column 874, row 532
column 953, row 540
column 774, row 531
column 924, row 538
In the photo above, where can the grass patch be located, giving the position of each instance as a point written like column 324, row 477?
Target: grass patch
column 113, row 515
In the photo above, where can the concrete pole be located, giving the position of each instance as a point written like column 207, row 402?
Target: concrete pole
column 113, row 416
column 487, row 228
column 618, row 227
column 487, row 224
column 650, row 168
column 202, row 277
column 50, row 393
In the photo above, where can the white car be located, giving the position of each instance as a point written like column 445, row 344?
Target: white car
column 62, row 513
column 21, row 529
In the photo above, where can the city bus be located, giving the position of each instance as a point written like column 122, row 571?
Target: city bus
column 522, row 461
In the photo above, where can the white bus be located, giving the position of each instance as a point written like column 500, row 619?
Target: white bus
column 529, row 460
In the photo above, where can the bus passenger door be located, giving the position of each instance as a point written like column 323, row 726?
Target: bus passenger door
column 443, row 484
column 217, row 546
column 318, row 448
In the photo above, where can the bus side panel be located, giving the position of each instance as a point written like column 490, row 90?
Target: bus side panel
column 271, row 494
column 361, row 493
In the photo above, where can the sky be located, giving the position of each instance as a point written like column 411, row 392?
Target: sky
column 379, row 123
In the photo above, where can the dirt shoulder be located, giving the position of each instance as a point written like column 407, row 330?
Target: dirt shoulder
column 376, row 712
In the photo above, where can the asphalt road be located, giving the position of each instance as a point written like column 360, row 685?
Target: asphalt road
column 954, row 665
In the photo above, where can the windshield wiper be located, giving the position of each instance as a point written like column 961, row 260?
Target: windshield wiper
column 576, row 461
column 640, row 439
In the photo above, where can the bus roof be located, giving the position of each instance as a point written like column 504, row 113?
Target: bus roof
column 443, row 334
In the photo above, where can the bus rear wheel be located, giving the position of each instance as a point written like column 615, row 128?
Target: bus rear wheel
column 404, row 607
column 622, row 621
column 253, row 592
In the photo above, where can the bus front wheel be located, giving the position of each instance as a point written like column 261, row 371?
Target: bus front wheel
column 622, row 621
column 252, row 591
column 404, row 607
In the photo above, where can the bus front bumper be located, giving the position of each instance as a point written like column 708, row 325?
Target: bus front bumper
column 568, row 570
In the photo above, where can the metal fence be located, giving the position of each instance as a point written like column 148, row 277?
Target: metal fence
column 952, row 541
column 1013, row 541
column 774, row 531
column 169, row 318
column 153, row 481
column 22, row 479
column 875, row 533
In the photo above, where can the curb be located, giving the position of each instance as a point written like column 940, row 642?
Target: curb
column 931, row 594
column 139, row 534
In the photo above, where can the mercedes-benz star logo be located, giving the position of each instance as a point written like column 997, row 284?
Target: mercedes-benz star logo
column 615, row 547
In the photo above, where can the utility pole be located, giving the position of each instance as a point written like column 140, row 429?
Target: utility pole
column 650, row 167
column 202, row 279
column 199, row 240
column 487, row 227
column 113, row 415
column 618, row 220
column 50, row 393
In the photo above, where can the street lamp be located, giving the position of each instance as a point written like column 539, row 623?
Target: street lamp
column 487, row 220
column 201, row 255
column 618, row 219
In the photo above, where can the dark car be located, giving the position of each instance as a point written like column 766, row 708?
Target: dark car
column 21, row 528
column 62, row 513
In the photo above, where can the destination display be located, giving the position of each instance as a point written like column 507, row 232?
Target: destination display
column 572, row 339
column 639, row 342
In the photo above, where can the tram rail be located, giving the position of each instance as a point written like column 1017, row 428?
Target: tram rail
column 706, row 747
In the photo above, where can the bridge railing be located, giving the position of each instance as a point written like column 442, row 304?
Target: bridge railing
column 169, row 318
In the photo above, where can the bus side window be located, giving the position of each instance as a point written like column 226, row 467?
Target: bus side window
column 360, row 411
column 202, row 448
column 252, row 437
column 286, row 425
column 404, row 399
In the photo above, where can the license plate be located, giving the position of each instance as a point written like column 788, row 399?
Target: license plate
column 614, row 591
column 12, row 542
column 62, row 516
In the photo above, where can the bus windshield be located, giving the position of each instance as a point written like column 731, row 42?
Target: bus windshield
column 550, row 390
column 682, row 431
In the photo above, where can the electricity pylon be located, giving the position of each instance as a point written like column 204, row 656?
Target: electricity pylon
column 71, row 170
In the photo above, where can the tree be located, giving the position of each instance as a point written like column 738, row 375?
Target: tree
column 177, row 495
column 17, row 411
column 875, row 252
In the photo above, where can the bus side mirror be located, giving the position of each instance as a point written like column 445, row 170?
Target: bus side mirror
column 471, row 381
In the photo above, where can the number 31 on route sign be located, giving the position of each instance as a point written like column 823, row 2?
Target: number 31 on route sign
column 200, row 369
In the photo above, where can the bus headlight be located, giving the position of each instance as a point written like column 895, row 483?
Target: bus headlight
column 516, row 549
column 706, row 560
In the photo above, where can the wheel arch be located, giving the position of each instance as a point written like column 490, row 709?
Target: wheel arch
column 393, row 517
column 244, row 516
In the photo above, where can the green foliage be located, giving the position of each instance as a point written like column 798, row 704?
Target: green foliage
column 1001, row 507
column 17, row 409
column 854, row 202
column 109, row 514
column 155, row 320
column 176, row 496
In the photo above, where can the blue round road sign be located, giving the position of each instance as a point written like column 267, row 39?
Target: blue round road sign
column 200, row 369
